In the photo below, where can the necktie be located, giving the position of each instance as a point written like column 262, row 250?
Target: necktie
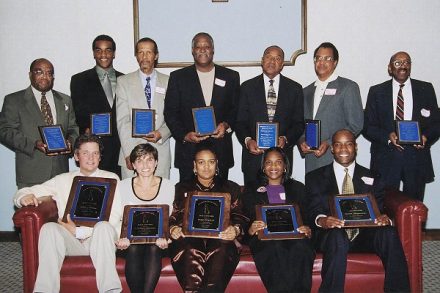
column 147, row 91
column 348, row 188
column 45, row 109
column 107, row 86
column 400, row 104
column 271, row 101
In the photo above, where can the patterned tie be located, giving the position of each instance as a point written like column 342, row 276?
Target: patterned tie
column 348, row 188
column 271, row 101
column 45, row 109
column 147, row 91
column 400, row 104
column 107, row 86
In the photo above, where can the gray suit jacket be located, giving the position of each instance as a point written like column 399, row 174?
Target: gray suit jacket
column 341, row 110
column 130, row 94
column 19, row 121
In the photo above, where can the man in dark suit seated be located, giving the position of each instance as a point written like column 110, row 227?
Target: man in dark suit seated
column 199, row 85
column 345, row 176
column 269, row 97
column 93, row 91
column 402, row 98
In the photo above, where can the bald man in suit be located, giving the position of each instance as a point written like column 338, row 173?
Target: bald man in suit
column 19, row 120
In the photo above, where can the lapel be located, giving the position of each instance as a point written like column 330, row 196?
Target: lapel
column 309, row 96
column 388, row 99
column 330, row 180
column 136, row 91
column 61, row 108
column 417, row 95
column 357, row 180
column 32, row 106
column 95, row 83
column 282, row 96
column 260, row 100
column 326, row 99
column 193, row 81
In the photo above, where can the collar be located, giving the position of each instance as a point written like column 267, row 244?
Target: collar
column 397, row 84
column 143, row 76
column 338, row 168
column 37, row 93
column 276, row 79
column 94, row 174
column 331, row 78
column 100, row 71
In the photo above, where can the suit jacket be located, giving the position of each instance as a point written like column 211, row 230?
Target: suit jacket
column 379, row 123
column 89, row 97
column 184, row 93
column 321, row 183
column 129, row 95
column 341, row 110
column 253, row 108
column 19, row 121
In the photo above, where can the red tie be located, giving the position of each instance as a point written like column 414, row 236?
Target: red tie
column 400, row 104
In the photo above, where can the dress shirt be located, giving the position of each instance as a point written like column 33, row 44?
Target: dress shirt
column 111, row 75
column 50, row 100
column 321, row 86
column 153, row 79
column 276, row 84
column 407, row 98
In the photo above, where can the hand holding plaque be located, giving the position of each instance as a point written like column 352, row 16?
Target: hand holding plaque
column 204, row 120
column 267, row 135
column 101, row 124
column 408, row 132
column 53, row 138
column 357, row 210
column 143, row 122
column 313, row 133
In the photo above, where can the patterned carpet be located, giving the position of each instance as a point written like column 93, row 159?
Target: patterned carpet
column 11, row 274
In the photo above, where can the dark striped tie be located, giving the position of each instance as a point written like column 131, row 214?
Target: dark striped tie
column 45, row 109
column 400, row 104
column 271, row 101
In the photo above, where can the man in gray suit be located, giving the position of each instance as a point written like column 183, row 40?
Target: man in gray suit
column 143, row 89
column 332, row 99
column 19, row 120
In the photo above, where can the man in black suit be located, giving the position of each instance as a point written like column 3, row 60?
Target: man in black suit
column 329, row 236
column 199, row 85
column 410, row 164
column 93, row 91
column 257, row 105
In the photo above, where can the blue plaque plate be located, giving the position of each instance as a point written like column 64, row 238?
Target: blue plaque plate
column 53, row 137
column 313, row 133
column 204, row 120
column 145, row 223
column 100, row 124
column 267, row 135
column 357, row 210
column 90, row 200
column 282, row 221
column 143, row 122
column 206, row 214
column 408, row 132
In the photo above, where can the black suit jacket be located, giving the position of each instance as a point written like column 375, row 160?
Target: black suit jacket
column 184, row 93
column 321, row 183
column 379, row 123
column 252, row 108
column 89, row 97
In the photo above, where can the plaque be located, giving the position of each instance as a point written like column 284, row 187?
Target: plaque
column 267, row 135
column 145, row 223
column 101, row 124
column 313, row 133
column 204, row 120
column 53, row 137
column 408, row 132
column 90, row 200
column 357, row 210
column 282, row 221
column 143, row 122
column 206, row 214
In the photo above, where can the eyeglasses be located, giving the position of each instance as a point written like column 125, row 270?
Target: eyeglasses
column 399, row 63
column 39, row 72
column 323, row 58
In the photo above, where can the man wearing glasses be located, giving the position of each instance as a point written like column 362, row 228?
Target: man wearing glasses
column 23, row 112
column 332, row 99
column 402, row 98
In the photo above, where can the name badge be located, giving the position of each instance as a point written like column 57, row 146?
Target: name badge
column 220, row 82
column 160, row 90
column 330, row 92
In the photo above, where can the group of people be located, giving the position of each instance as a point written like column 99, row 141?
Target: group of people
column 204, row 162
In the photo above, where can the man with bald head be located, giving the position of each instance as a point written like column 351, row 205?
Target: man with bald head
column 20, row 117
column 268, row 97
column 402, row 98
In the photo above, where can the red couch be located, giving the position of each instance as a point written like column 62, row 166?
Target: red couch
column 364, row 271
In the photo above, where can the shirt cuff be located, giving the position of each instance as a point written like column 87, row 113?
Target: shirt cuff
column 246, row 141
column 317, row 218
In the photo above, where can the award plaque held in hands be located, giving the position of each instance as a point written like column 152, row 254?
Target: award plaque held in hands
column 408, row 132
column 90, row 200
column 282, row 221
column 101, row 124
column 143, row 122
column 53, row 138
column 357, row 210
column 204, row 120
column 206, row 214
column 145, row 223
column 313, row 133
column 267, row 135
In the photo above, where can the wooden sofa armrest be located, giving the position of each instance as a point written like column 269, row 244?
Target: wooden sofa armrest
column 408, row 215
column 29, row 220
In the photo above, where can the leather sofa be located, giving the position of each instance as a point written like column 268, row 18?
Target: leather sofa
column 364, row 271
